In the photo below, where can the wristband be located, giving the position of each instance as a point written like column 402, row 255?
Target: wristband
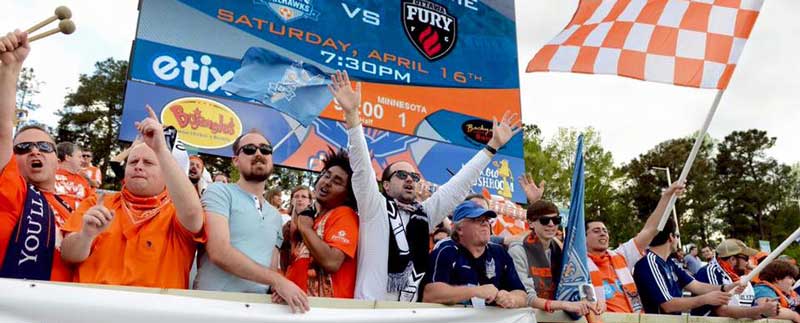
column 490, row 149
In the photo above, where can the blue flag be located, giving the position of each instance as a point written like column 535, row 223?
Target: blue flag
column 575, row 272
column 292, row 87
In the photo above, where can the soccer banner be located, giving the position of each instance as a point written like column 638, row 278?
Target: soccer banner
column 211, row 125
column 26, row 301
column 424, row 54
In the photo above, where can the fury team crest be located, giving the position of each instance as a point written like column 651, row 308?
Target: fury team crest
column 429, row 27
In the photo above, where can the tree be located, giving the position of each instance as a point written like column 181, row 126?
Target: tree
column 696, row 210
column 554, row 163
column 756, row 191
column 27, row 89
column 91, row 117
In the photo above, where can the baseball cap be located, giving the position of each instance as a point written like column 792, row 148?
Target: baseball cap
column 732, row 247
column 471, row 210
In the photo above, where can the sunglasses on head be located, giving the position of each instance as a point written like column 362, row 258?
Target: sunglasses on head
column 401, row 174
column 26, row 147
column 250, row 149
column 546, row 220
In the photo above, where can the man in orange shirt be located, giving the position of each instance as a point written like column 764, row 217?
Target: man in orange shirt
column 324, row 263
column 145, row 235
column 71, row 183
column 91, row 172
column 611, row 271
column 30, row 212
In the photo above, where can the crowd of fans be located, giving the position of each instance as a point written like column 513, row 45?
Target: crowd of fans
column 351, row 235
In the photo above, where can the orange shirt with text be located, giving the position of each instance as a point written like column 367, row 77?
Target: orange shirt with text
column 340, row 231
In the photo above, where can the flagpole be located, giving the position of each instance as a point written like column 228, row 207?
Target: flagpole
column 774, row 254
column 698, row 142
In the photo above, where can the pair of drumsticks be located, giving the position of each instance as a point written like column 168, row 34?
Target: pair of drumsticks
column 65, row 25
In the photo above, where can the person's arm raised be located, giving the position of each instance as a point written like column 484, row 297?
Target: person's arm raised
column 650, row 228
column 183, row 194
column 14, row 48
column 456, row 189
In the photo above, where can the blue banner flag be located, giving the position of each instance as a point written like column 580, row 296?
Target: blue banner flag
column 575, row 272
column 292, row 87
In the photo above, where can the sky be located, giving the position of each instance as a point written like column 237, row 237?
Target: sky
column 631, row 116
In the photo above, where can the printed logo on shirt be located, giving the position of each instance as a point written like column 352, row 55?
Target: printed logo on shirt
column 490, row 271
column 340, row 236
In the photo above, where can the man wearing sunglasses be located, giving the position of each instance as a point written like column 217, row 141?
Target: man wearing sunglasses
column 91, row 172
column 31, row 215
column 733, row 258
column 395, row 228
column 244, row 230
column 538, row 257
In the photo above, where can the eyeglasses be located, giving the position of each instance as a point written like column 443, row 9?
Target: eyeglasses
column 26, row 147
column 250, row 149
column 556, row 220
column 87, row 156
column 743, row 257
column 401, row 174
column 481, row 220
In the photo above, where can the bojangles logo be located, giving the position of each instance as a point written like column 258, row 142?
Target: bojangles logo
column 196, row 120
column 429, row 27
column 478, row 130
column 202, row 123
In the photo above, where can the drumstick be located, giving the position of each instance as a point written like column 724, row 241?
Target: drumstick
column 61, row 13
column 66, row 26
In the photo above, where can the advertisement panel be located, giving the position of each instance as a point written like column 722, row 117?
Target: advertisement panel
column 433, row 72
column 214, row 123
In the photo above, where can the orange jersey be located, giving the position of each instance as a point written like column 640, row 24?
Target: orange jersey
column 339, row 229
column 12, row 200
column 72, row 186
column 151, row 251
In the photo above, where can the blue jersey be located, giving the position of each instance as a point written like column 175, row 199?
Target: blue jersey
column 454, row 265
column 659, row 281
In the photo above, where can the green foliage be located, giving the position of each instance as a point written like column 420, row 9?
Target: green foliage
column 91, row 117
column 27, row 89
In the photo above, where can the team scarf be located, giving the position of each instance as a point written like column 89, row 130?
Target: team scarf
column 140, row 209
column 728, row 269
column 30, row 251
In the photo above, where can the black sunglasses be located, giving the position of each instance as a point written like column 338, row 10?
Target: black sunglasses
column 555, row 219
column 401, row 174
column 26, row 147
column 87, row 156
column 250, row 149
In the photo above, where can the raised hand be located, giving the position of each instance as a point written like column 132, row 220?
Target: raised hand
column 505, row 129
column 14, row 48
column 152, row 132
column 96, row 220
column 342, row 90
column 532, row 191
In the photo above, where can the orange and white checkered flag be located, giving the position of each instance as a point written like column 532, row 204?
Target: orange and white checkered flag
column 692, row 43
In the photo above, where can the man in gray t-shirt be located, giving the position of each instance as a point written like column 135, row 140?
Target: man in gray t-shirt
column 244, row 230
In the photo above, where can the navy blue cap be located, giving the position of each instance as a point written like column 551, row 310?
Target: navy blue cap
column 471, row 210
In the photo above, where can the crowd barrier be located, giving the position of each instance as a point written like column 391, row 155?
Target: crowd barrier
column 33, row 301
